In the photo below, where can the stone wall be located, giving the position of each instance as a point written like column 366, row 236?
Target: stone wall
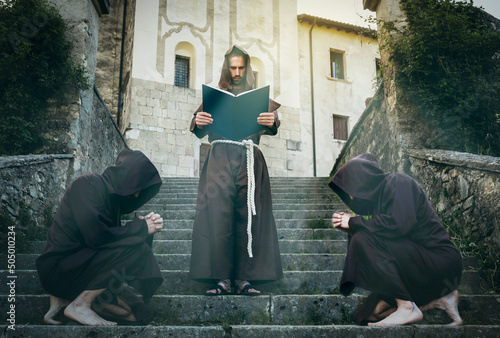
column 114, row 58
column 79, row 122
column 33, row 182
column 108, row 55
column 37, row 182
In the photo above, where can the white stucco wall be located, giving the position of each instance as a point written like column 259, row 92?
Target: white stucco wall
column 332, row 96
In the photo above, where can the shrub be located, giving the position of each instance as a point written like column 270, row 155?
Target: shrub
column 447, row 66
column 35, row 64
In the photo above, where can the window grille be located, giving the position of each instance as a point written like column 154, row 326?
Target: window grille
column 181, row 71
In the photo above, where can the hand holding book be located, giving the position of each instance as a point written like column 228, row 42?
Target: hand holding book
column 266, row 119
column 204, row 119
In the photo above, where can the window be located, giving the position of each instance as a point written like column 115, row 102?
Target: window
column 181, row 71
column 340, row 127
column 337, row 64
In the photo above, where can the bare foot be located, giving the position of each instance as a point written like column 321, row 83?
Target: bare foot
column 56, row 305
column 448, row 303
column 85, row 315
column 406, row 313
column 381, row 311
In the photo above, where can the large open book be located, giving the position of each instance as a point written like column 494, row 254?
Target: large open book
column 235, row 116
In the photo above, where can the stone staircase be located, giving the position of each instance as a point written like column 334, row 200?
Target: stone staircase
column 305, row 303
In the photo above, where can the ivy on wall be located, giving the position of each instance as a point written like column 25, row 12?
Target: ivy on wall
column 35, row 65
column 447, row 65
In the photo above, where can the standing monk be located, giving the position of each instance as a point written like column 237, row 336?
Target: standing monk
column 399, row 250
column 229, row 244
column 89, row 254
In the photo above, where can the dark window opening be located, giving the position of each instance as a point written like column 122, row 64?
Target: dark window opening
column 181, row 71
column 340, row 127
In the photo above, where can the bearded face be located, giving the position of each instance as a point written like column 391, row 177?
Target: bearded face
column 237, row 69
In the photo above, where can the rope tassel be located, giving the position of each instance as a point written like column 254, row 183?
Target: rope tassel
column 250, row 187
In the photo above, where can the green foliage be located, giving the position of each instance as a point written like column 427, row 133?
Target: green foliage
column 35, row 64
column 447, row 65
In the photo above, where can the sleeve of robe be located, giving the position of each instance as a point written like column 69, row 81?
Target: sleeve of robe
column 273, row 108
column 97, row 224
column 397, row 212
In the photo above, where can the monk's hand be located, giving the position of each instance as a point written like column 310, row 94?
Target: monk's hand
column 266, row 119
column 203, row 119
column 340, row 220
column 154, row 222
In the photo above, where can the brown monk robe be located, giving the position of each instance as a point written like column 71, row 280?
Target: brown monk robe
column 89, row 254
column 398, row 249
column 219, row 247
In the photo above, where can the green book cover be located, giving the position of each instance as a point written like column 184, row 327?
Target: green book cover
column 235, row 116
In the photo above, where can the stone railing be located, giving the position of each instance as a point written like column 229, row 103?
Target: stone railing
column 465, row 192
column 33, row 182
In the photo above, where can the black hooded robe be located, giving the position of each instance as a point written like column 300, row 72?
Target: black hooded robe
column 219, row 244
column 87, row 248
column 399, row 249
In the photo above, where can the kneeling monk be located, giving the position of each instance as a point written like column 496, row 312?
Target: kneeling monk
column 398, row 250
column 89, row 255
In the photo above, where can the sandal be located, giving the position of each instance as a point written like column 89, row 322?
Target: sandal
column 219, row 291
column 245, row 291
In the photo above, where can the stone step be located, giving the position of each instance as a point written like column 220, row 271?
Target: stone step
column 279, row 214
column 162, row 204
column 177, row 283
column 286, row 246
column 266, row 309
column 289, row 234
column 274, row 186
column 309, row 223
column 169, row 233
column 276, row 201
column 252, row 331
column 287, row 196
column 290, row 262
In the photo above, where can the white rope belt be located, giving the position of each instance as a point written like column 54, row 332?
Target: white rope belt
column 251, row 185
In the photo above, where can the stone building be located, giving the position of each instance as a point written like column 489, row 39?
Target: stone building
column 155, row 55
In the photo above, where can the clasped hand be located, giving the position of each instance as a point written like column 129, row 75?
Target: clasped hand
column 204, row 119
column 340, row 220
column 154, row 221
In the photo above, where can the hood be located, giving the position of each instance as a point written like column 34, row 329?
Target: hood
column 132, row 173
column 362, row 178
column 225, row 77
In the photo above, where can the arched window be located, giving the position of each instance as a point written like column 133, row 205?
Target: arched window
column 184, row 65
